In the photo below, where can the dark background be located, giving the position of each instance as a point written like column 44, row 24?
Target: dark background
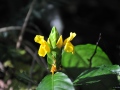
column 88, row 18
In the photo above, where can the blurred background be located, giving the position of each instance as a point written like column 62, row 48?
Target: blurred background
column 22, row 67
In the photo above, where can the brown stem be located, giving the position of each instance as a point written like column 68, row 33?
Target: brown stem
column 24, row 25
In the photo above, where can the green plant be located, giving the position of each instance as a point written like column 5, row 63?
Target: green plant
column 84, row 67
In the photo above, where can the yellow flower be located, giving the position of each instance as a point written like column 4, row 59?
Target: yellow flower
column 53, row 68
column 60, row 42
column 68, row 47
column 44, row 47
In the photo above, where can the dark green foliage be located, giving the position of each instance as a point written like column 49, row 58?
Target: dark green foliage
column 102, row 77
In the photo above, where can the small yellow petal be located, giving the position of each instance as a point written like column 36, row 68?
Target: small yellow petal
column 60, row 42
column 44, row 49
column 48, row 41
column 70, row 38
column 41, row 51
column 47, row 48
column 39, row 39
column 53, row 69
column 72, row 35
column 69, row 47
column 65, row 41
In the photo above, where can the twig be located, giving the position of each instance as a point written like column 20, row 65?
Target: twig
column 90, row 60
column 39, row 60
column 36, row 28
column 25, row 24
column 4, row 29
column 32, row 54
column 10, row 28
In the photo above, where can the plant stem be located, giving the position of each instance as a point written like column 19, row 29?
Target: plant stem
column 52, row 81
column 90, row 60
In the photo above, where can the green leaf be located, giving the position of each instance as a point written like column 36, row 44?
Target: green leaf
column 58, row 81
column 18, row 51
column 82, row 55
column 102, row 82
column 100, row 74
column 55, row 53
column 54, row 56
column 53, row 37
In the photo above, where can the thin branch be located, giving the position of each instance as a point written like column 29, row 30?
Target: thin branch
column 32, row 54
column 36, row 28
column 90, row 60
column 25, row 24
column 10, row 28
column 38, row 59
column 4, row 29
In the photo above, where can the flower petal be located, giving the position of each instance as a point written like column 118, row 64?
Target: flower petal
column 39, row 39
column 44, row 49
column 69, row 47
column 70, row 38
column 41, row 51
column 72, row 35
column 60, row 42
column 48, row 41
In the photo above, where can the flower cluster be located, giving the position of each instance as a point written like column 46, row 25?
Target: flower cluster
column 45, row 46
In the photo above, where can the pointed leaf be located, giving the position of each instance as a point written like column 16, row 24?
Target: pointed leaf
column 82, row 55
column 58, row 81
column 53, row 37
column 96, row 74
column 102, row 82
